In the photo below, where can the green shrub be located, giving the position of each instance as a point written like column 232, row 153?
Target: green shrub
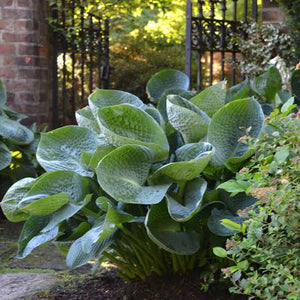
column 136, row 184
column 266, row 258
column 17, row 146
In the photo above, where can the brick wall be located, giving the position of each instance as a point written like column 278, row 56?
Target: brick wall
column 271, row 13
column 24, row 60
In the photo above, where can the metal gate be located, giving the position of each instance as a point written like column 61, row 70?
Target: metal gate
column 208, row 35
column 80, row 58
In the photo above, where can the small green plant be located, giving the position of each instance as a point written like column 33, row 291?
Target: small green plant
column 17, row 146
column 136, row 184
column 265, row 257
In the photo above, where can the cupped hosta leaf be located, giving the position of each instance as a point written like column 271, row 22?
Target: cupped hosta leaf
column 126, row 124
column 14, row 195
column 239, row 202
column 191, row 161
column 214, row 222
column 88, row 246
column 85, row 118
column 295, row 84
column 46, row 205
column 169, row 234
column 2, row 93
column 192, row 200
column 234, row 164
column 211, row 99
column 100, row 152
column 123, row 173
column 66, row 212
column 104, row 98
column 239, row 91
column 55, row 188
column 185, row 117
column 61, row 149
column 155, row 114
column 267, row 84
column 236, row 119
column 15, row 132
column 32, row 237
column 5, row 156
column 161, row 105
column 165, row 80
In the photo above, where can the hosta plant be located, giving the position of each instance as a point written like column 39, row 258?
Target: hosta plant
column 17, row 146
column 135, row 183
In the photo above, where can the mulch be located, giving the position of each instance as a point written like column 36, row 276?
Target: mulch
column 111, row 286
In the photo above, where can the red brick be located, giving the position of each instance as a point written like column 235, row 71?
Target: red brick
column 12, row 13
column 27, row 97
column 21, row 85
column 43, row 51
column 24, row 3
column 21, row 37
column 26, row 25
column 6, row 3
column 28, row 49
column 30, row 73
column 6, row 25
column 7, row 49
column 8, row 73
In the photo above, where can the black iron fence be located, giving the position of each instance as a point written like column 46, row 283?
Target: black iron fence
column 210, row 26
column 80, row 58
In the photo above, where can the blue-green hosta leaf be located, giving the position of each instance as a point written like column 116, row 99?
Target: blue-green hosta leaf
column 229, row 124
column 2, row 93
column 15, row 132
column 46, row 205
column 85, row 118
column 61, row 149
column 185, row 117
column 5, row 156
column 234, row 164
column 239, row 91
column 123, row 173
column 191, row 161
column 66, row 212
column 169, row 234
column 165, row 80
column 214, row 222
column 295, row 84
column 155, row 114
column 54, row 188
column 89, row 246
column 267, row 84
column 192, row 200
column 211, row 99
column 161, row 106
column 238, row 202
column 100, row 152
column 104, row 98
column 32, row 237
column 126, row 124
column 14, row 195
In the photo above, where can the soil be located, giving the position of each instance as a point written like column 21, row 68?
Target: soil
column 43, row 275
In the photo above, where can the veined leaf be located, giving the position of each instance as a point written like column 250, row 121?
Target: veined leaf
column 5, row 156
column 267, row 84
column 15, row 132
column 31, row 236
column 185, row 117
column 169, row 234
column 229, row 124
column 2, row 93
column 123, row 173
column 239, row 91
column 192, row 200
column 61, row 149
column 165, row 80
column 215, row 222
column 211, row 99
column 192, row 160
column 104, row 98
column 15, row 194
column 126, row 124
column 85, row 118
column 54, row 184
